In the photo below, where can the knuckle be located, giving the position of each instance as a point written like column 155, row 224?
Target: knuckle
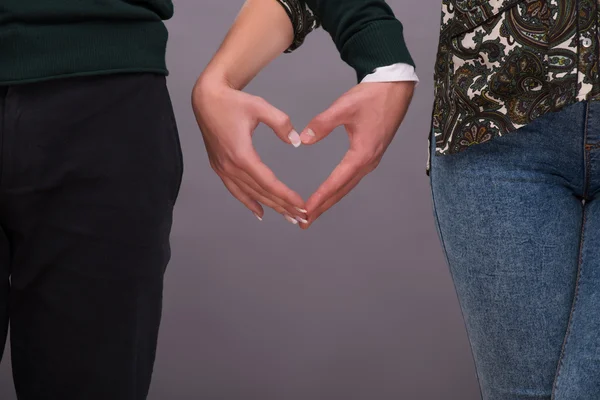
column 371, row 167
column 228, row 164
column 377, row 161
column 260, row 102
column 280, row 210
column 373, row 164
column 323, row 119
column 257, row 99
column 368, row 157
column 346, row 106
column 238, row 157
column 284, row 121
column 271, row 182
column 269, row 203
column 256, row 102
column 363, row 160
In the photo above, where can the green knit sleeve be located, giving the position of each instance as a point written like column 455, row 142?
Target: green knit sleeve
column 365, row 32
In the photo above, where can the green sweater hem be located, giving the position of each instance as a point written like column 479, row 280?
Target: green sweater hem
column 34, row 53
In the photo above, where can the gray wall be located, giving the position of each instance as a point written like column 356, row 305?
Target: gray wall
column 360, row 306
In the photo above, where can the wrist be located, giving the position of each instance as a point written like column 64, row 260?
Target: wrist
column 209, row 87
column 210, row 84
column 220, row 74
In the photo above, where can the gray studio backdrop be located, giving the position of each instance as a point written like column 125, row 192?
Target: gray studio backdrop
column 360, row 306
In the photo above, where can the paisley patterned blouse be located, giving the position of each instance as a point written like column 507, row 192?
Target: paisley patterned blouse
column 503, row 63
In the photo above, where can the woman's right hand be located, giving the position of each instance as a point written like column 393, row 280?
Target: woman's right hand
column 227, row 118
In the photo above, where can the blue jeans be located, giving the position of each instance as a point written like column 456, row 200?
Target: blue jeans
column 519, row 221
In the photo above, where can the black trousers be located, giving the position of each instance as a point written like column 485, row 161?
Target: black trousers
column 90, row 169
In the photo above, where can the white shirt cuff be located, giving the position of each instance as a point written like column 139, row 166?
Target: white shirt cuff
column 393, row 73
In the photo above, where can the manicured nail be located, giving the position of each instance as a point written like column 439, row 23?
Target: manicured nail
column 290, row 219
column 302, row 210
column 307, row 136
column 301, row 220
column 258, row 216
column 295, row 138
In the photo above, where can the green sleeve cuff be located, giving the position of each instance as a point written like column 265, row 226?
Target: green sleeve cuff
column 378, row 44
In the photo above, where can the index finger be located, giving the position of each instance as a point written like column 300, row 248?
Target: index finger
column 343, row 173
column 266, row 179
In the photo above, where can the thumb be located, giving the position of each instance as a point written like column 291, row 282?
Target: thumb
column 277, row 120
column 323, row 124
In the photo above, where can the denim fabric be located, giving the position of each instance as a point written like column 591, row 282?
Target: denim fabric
column 519, row 221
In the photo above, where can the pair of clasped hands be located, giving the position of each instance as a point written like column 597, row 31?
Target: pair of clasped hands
column 370, row 112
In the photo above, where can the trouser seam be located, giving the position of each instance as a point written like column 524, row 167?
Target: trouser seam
column 443, row 243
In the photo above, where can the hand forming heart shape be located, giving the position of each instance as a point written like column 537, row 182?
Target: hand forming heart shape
column 370, row 112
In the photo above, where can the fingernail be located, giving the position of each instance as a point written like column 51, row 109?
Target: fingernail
column 295, row 138
column 257, row 216
column 307, row 136
column 290, row 219
column 302, row 210
column 301, row 220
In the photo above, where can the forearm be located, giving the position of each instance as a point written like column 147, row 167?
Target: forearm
column 366, row 33
column 260, row 33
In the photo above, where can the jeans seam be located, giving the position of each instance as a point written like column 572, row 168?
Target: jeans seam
column 588, row 146
column 592, row 146
column 579, row 260
column 573, row 307
column 443, row 243
column 586, row 157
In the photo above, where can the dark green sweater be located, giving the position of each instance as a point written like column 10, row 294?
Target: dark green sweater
column 46, row 39
column 365, row 32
